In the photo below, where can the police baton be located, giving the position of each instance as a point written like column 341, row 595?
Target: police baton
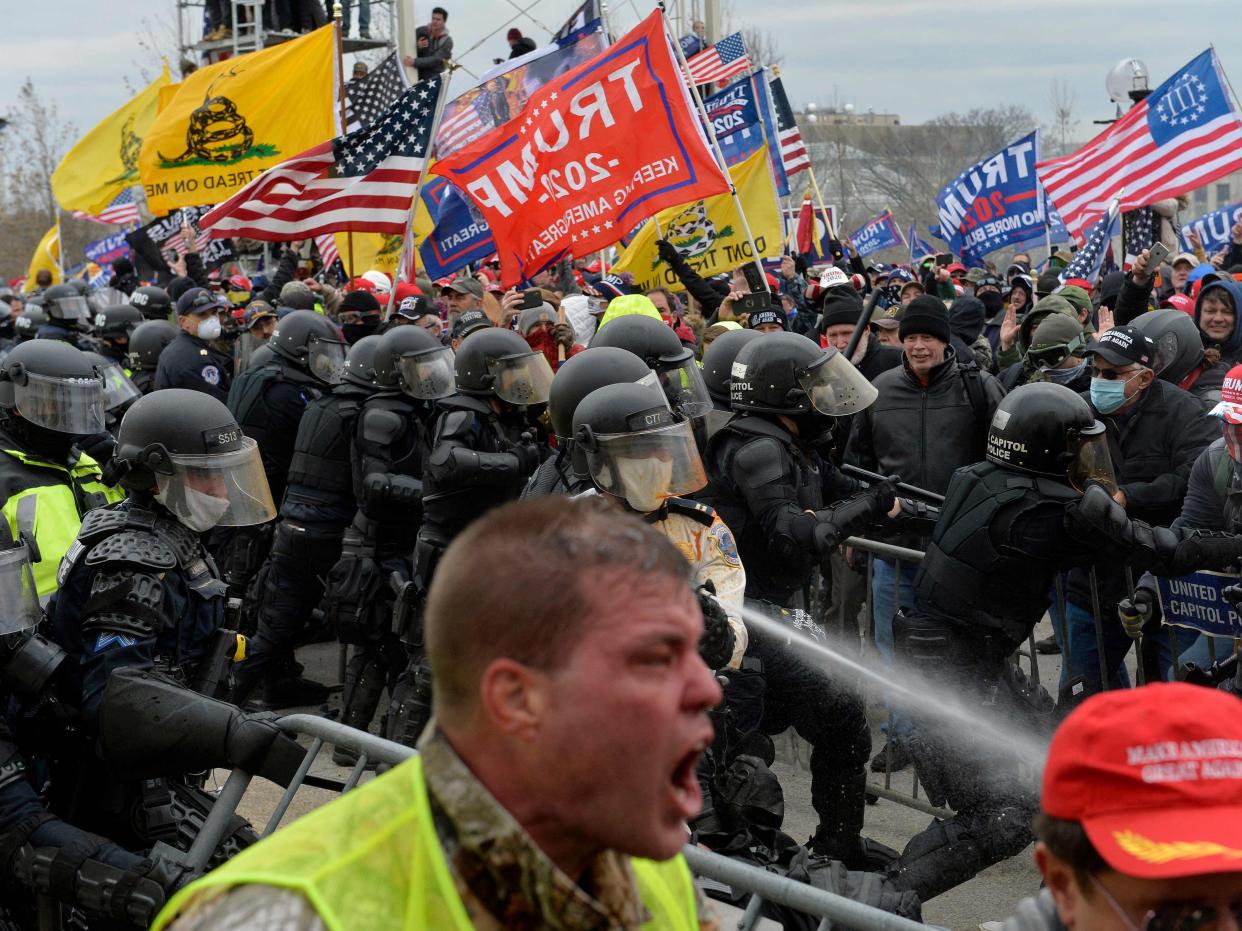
column 861, row 326
column 912, row 490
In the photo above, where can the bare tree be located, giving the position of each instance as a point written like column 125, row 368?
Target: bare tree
column 864, row 167
column 1061, row 97
column 761, row 46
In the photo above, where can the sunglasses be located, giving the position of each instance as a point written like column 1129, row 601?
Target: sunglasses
column 1175, row 916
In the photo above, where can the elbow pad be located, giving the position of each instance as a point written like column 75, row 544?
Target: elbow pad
column 378, row 488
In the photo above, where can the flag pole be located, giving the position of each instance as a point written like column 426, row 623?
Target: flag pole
column 60, row 251
column 407, row 243
column 711, row 134
column 823, row 211
column 337, row 13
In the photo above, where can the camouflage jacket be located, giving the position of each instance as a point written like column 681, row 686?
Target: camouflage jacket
column 504, row 880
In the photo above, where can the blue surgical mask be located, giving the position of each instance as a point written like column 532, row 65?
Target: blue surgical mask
column 1065, row 376
column 1107, row 395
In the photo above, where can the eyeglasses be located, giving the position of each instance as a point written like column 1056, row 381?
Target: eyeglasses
column 1112, row 374
column 1175, row 916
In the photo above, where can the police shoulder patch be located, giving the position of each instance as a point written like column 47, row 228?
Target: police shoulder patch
column 211, row 374
column 722, row 538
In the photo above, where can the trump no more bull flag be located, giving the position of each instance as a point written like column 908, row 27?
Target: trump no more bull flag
column 1213, row 228
column 709, row 232
column 591, row 155
column 231, row 121
column 993, row 203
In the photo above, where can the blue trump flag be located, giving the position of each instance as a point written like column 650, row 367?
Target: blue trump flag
column 919, row 248
column 767, row 113
column 994, row 202
column 877, row 233
column 458, row 238
column 1213, row 228
column 734, row 113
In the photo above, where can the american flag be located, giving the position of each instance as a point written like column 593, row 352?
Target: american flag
column 723, row 60
column 363, row 181
column 577, row 22
column 326, row 244
column 464, row 122
column 1088, row 259
column 793, row 149
column 122, row 211
column 367, row 98
column 1185, row 134
column 1137, row 230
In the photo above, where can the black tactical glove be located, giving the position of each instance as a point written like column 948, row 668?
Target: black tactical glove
column 256, row 745
column 847, row 517
column 1137, row 611
column 884, row 493
column 667, row 252
column 716, row 644
column 527, row 456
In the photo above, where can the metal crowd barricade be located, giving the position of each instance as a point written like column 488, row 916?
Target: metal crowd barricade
column 757, row 886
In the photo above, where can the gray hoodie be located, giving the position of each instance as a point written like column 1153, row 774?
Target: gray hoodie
column 1035, row 914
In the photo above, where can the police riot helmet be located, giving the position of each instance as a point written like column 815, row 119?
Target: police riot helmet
column 188, row 446
column 636, row 448
column 654, row 341
column 119, row 391
column 498, row 363
column 360, row 362
column 1179, row 345
column 152, row 302
column 146, row 343
column 787, row 373
column 718, row 361
column 53, row 385
column 28, row 322
column 79, row 286
column 411, row 359
column 311, row 342
column 64, row 303
column 581, row 374
column 117, row 321
column 1048, row 429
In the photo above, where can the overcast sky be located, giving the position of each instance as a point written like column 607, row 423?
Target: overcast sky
column 916, row 58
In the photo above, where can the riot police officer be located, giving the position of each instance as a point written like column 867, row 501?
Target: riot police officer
column 105, row 881
column 51, row 399
column 789, row 508
column 1039, row 504
column 28, row 322
column 139, row 591
column 482, row 454
column 392, row 443
column 113, row 326
column 566, row 471
column 146, row 344
column 718, row 361
column 653, row 341
column 153, row 303
column 66, row 309
column 190, row 360
column 318, row 504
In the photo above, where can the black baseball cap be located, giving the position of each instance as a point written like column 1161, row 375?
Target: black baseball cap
column 1123, row 345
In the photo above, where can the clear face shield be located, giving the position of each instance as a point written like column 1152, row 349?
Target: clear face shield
column 118, row 389
column 66, row 405
column 19, row 600
column 836, row 388
column 428, row 375
column 217, row 490
column 1090, row 460
column 683, row 385
column 325, row 360
column 646, row 468
column 106, row 297
column 74, row 307
column 525, row 378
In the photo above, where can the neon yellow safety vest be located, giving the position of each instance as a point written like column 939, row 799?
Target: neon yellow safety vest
column 40, row 498
column 370, row 861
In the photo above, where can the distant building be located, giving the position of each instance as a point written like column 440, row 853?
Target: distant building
column 846, row 115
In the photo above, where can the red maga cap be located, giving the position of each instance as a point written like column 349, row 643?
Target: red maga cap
column 1229, row 408
column 1154, row 775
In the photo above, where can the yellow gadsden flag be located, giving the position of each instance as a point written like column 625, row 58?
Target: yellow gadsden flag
column 46, row 255
column 369, row 251
column 709, row 233
column 231, row 121
column 105, row 160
